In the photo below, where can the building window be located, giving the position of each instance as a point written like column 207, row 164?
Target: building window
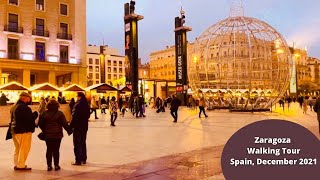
column 114, row 70
column 120, row 63
column 90, row 68
column 97, row 76
column 109, row 76
column 97, row 82
column 109, row 62
column 90, row 61
column 120, row 70
column 114, row 76
column 120, row 76
column 97, row 68
column 97, row 61
column 40, row 51
column 39, row 27
column 14, row 2
column 64, row 54
column 109, row 69
column 63, row 28
column 13, row 48
column 90, row 76
column 114, row 63
column 40, row 5
column 64, row 9
column 13, row 23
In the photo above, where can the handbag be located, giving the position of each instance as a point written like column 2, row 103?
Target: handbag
column 9, row 134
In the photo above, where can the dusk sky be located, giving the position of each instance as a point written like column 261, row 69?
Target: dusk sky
column 297, row 20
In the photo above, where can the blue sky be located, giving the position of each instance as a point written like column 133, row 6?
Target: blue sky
column 297, row 20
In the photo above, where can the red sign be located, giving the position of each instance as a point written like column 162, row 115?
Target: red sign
column 179, row 88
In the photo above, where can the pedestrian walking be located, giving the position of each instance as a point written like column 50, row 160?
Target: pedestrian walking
column 79, row 124
column 51, row 123
column 175, row 103
column 42, row 106
column 304, row 107
column 3, row 100
column 202, row 105
column 71, row 104
column 120, row 103
column 113, row 111
column 103, row 105
column 22, row 127
column 94, row 107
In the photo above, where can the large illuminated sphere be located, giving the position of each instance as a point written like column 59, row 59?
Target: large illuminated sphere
column 240, row 62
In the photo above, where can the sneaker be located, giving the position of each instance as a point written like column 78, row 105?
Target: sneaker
column 96, row 118
column 84, row 162
column 57, row 168
column 49, row 168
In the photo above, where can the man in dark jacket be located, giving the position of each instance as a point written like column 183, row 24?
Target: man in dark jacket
column 79, row 123
column 175, row 103
column 22, row 127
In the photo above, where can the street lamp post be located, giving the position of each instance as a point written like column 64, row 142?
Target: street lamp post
column 131, row 45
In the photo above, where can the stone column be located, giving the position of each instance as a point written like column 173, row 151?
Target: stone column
column 26, row 77
column 75, row 78
column 52, row 78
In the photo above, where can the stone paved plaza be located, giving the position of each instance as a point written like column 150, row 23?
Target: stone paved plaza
column 148, row 148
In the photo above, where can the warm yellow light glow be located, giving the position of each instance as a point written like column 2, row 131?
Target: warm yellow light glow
column 280, row 51
column 297, row 55
column 195, row 59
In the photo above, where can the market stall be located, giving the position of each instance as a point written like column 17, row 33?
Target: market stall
column 44, row 90
column 12, row 91
column 71, row 91
column 125, row 91
column 101, row 90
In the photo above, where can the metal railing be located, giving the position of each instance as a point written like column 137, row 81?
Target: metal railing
column 64, row 36
column 37, row 32
column 13, row 28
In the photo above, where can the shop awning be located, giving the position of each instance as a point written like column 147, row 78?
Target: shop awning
column 74, row 87
column 101, row 87
column 44, row 87
column 13, row 86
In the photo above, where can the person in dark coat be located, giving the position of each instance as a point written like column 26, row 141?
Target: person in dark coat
column 103, row 105
column 175, row 103
column 3, row 100
column 71, row 104
column 316, row 108
column 120, row 103
column 22, row 127
column 51, row 123
column 79, row 124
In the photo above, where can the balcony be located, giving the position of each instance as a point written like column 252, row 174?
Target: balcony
column 13, row 28
column 64, row 36
column 42, row 33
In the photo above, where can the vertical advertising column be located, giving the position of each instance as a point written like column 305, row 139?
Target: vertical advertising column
column 102, row 58
column 131, row 46
column 181, row 58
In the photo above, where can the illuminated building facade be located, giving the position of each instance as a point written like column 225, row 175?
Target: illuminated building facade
column 43, row 41
column 113, row 72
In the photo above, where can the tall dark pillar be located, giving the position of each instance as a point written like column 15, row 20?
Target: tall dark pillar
column 102, row 65
column 181, row 58
column 131, row 46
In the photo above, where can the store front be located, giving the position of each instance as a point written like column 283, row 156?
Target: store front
column 71, row 91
